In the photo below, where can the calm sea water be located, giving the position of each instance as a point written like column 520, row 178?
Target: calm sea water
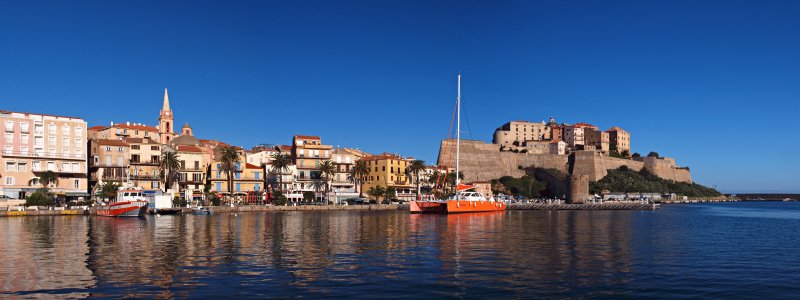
column 732, row 250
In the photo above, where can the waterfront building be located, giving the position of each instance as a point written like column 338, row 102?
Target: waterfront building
column 35, row 143
column 261, row 155
column 109, row 163
column 387, row 170
column 118, row 131
column 247, row 183
column 145, row 155
column 307, row 153
column 619, row 140
column 515, row 133
column 342, row 185
column 192, row 170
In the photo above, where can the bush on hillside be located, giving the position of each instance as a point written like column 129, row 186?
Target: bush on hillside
column 526, row 186
column 626, row 180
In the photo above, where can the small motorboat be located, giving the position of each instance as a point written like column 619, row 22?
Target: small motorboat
column 202, row 211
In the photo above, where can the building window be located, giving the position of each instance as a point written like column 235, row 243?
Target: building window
column 134, row 147
column 10, row 166
column 258, row 187
column 76, row 184
column 257, row 175
column 10, row 126
column 22, row 167
column 9, row 180
column 51, row 128
column 219, row 185
column 37, row 166
column 9, row 138
column 238, row 187
column 154, row 148
column 154, row 184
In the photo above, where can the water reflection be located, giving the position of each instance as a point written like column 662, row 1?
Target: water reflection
column 348, row 254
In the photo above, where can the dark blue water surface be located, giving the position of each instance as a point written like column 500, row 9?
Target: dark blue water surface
column 730, row 250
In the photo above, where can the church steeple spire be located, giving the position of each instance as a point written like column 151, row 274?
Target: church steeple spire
column 166, row 101
column 166, row 121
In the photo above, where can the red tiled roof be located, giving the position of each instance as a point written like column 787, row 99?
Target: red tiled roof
column 581, row 124
column 136, row 127
column 251, row 166
column 307, row 137
column 189, row 148
column 107, row 142
column 98, row 127
column 285, row 148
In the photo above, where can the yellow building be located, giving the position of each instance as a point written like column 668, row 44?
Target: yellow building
column 109, row 162
column 387, row 170
column 145, row 155
column 248, row 180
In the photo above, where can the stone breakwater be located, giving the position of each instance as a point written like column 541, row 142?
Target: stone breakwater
column 215, row 209
column 604, row 206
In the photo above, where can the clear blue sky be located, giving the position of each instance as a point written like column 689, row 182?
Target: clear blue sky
column 714, row 84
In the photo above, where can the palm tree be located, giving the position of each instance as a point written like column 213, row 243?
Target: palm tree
column 376, row 192
column 109, row 190
column 169, row 165
column 415, row 168
column 327, row 169
column 359, row 172
column 389, row 194
column 280, row 163
column 229, row 160
column 48, row 178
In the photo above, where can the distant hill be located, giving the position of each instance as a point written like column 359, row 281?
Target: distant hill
column 768, row 196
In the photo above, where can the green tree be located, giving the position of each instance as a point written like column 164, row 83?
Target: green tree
column 308, row 196
column 280, row 164
column 168, row 166
column 636, row 154
column 279, row 199
column 229, row 160
column 626, row 153
column 415, row 168
column 359, row 172
column 47, row 179
column 327, row 169
column 376, row 192
column 389, row 194
column 109, row 190
column 653, row 154
column 38, row 198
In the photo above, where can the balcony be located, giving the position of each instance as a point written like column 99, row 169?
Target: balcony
column 145, row 163
column 146, row 177
column 191, row 169
column 44, row 155
column 105, row 165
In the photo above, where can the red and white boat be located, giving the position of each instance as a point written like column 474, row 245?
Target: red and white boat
column 464, row 201
column 129, row 203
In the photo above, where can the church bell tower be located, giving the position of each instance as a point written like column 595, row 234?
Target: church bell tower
column 166, row 122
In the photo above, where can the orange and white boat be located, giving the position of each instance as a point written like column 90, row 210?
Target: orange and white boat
column 129, row 203
column 465, row 200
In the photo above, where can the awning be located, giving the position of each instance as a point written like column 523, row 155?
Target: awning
column 77, row 194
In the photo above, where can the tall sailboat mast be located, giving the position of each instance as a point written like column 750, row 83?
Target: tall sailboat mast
column 458, row 131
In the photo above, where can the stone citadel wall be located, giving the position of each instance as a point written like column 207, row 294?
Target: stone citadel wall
column 482, row 162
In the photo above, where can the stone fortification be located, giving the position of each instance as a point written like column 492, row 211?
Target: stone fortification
column 481, row 162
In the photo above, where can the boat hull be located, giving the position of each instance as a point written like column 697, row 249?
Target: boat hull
column 124, row 209
column 455, row 206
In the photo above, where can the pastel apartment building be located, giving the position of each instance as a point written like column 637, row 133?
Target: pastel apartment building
column 307, row 153
column 109, row 162
column 387, row 170
column 36, row 143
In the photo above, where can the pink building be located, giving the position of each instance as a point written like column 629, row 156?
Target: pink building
column 35, row 143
